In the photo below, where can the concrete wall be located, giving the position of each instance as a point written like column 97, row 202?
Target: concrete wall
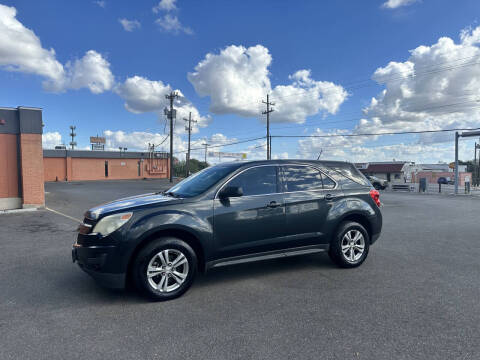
column 21, row 158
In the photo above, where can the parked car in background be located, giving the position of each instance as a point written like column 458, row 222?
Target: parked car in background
column 377, row 183
column 445, row 181
column 228, row 214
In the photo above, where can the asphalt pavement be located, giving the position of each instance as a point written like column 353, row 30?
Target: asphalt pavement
column 415, row 297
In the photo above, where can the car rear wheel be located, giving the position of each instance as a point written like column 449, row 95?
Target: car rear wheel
column 165, row 268
column 350, row 246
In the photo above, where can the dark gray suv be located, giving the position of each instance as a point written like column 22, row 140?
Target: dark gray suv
column 227, row 214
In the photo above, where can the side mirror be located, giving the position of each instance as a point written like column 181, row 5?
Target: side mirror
column 230, row 191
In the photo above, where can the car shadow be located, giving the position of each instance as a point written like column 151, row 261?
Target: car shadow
column 264, row 268
column 87, row 290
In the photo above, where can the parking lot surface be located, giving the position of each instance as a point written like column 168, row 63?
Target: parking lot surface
column 415, row 297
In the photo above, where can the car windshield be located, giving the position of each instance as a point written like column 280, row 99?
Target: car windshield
column 201, row 181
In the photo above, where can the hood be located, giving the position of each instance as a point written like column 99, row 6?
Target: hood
column 128, row 203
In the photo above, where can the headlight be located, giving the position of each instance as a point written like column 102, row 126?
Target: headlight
column 111, row 223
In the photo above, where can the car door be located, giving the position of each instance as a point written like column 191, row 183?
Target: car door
column 308, row 196
column 254, row 221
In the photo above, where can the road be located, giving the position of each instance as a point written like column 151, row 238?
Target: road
column 416, row 296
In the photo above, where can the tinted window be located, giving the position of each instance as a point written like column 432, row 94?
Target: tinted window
column 201, row 181
column 302, row 178
column 257, row 181
column 349, row 171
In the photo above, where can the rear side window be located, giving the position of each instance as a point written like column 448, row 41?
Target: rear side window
column 257, row 181
column 349, row 171
column 303, row 178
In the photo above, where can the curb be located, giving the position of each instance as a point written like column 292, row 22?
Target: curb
column 17, row 211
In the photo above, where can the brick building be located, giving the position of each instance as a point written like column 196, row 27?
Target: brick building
column 21, row 158
column 79, row 165
column 25, row 166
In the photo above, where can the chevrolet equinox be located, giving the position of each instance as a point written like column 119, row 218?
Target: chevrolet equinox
column 227, row 214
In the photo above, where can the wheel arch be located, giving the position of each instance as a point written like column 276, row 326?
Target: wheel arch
column 360, row 218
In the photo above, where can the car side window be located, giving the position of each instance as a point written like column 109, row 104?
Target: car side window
column 302, row 178
column 257, row 181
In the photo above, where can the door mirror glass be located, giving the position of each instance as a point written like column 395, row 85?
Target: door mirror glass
column 230, row 191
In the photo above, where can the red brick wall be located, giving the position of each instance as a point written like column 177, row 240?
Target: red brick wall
column 55, row 168
column 79, row 169
column 432, row 176
column 8, row 166
column 32, row 169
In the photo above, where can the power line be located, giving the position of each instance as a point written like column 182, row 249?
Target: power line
column 227, row 144
column 390, row 77
column 374, row 134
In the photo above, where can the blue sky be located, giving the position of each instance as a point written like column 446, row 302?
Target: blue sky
column 339, row 42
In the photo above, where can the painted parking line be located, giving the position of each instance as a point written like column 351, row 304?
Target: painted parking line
column 65, row 215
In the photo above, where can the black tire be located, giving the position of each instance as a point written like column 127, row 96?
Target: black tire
column 338, row 256
column 377, row 186
column 150, row 253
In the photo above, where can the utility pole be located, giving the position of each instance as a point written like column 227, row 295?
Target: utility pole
column 171, row 114
column 206, row 149
column 476, row 166
column 189, row 129
column 267, row 112
column 72, row 135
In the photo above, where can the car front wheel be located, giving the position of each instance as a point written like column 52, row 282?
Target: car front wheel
column 165, row 268
column 350, row 246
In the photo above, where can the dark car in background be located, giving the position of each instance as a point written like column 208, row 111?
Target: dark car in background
column 377, row 183
column 228, row 214
column 445, row 181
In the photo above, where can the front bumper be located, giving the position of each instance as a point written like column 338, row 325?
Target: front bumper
column 97, row 262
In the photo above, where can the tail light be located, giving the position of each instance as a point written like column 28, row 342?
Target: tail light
column 376, row 197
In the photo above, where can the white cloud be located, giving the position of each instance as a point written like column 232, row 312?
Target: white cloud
column 165, row 5
column 22, row 51
column 393, row 4
column 170, row 23
column 144, row 95
column 92, row 72
column 51, row 139
column 100, row 3
column 238, row 77
column 129, row 25
column 437, row 87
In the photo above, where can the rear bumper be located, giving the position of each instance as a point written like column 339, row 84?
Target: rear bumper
column 94, row 261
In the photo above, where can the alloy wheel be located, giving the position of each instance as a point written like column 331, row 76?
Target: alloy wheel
column 353, row 245
column 167, row 270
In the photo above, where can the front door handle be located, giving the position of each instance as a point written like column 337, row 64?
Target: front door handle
column 329, row 197
column 273, row 204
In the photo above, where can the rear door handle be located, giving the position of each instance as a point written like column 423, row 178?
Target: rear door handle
column 273, row 204
column 329, row 197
